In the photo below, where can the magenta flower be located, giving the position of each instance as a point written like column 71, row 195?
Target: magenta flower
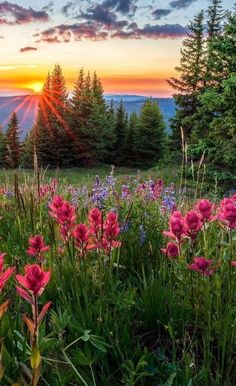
column 205, row 208
column 34, row 281
column 37, row 246
column 4, row 275
column 233, row 264
column 193, row 223
column 171, row 250
column 202, row 265
column 227, row 212
column 177, row 227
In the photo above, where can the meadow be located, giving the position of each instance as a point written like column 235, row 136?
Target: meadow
column 115, row 277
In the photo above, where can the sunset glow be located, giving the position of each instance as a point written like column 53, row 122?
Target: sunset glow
column 133, row 46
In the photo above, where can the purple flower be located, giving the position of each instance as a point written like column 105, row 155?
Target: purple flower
column 142, row 235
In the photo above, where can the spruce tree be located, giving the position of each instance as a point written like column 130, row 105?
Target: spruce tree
column 151, row 135
column 13, row 147
column 191, row 80
column 2, row 146
column 120, row 131
column 131, row 142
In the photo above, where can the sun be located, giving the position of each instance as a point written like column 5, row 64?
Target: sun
column 37, row 87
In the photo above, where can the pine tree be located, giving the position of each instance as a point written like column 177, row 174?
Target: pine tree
column 120, row 131
column 58, row 104
column 131, row 142
column 13, row 147
column 151, row 136
column 191, row 80
column 42, row 135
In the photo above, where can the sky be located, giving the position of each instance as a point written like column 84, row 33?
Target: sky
column 133, row 45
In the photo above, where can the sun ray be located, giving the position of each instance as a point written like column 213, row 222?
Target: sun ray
column 27, row 110
column 57, row 101
column 60, row 119
column 25, row 101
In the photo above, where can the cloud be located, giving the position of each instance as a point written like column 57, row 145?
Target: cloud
column 49, row 7
column 159, row 13
column 65, row 33
column 67, row 8
column 179, row 4
column 11, row 14
column 92, row 31
column 122, row 6
column 165, row 31
column 27, row 49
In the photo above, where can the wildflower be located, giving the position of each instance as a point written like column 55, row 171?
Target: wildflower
column 4, row 275
column 64, row 213
column 111, row 228
column 233, row 264
column 205, row 208
column 227, row 212
column 177, row 227
column 171, row 250
column 81, row 235
column 34, row 281
column 202, row 265
column 142, row 234
column 37, row 247
column 193, row 223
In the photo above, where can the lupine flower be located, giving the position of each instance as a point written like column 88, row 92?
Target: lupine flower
column 227, row 212
column 34, row 281
column 193, row 223
column 172, row 250
column 37, row 247
column 4, row 275
column 202, row 265
column 142, row 234
column 177, row 227
column 205, row 208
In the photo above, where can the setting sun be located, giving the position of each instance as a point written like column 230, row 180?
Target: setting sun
column 37, row 87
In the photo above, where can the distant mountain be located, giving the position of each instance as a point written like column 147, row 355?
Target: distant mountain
column 134, row 103
column 26, row 108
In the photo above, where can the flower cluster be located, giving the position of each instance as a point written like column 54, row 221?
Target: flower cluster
column 101, row 234
column 48, row 188
column 64, row 213
column 37, row 247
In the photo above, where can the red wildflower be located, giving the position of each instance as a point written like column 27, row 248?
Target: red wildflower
column 205, row 208
column 227, row 212
column 37, row 246
column 171, row 250
column 233, row 263
column 4, row 275
column 202, row 265
column 111, row 231
column 177, row 227
column 193, row 223
column 34, row 280
column 81, row 235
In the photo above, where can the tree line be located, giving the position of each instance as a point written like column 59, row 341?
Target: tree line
column 81, row 130
column 205, row 90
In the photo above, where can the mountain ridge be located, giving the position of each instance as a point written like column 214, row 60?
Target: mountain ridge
column 26, row 108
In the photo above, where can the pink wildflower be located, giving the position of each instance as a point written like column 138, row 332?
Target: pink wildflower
column 202, row 265
column 172, row 250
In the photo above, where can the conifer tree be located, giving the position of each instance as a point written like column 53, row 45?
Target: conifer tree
column 13, row 147
column 58, row 104
column 120, row 131
column 151, row 135
column 191, row 79
column 131, row 142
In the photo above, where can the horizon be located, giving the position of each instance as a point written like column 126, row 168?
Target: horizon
column 133, row 45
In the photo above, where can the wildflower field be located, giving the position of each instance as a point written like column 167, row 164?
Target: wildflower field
column 123, row 280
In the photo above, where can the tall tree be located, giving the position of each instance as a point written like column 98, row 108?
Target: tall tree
column 120, row 131
column 151, row 134
column 190, row 81
column 13, row 147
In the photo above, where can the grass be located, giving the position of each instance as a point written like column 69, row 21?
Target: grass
column 128, row 315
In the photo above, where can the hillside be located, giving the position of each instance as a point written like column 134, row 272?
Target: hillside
column 26, row 108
